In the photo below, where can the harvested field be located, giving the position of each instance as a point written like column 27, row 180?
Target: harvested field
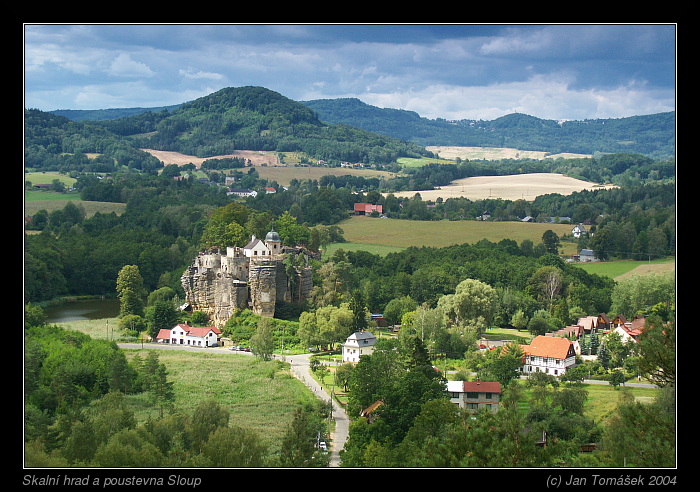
column 257, row 158
column 495, row 153
column 268, row 166
column 511, row 187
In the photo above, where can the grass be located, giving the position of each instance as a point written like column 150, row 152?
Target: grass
column 616, row 269
column 399, row 233
column 50, row 201
column 260, row 395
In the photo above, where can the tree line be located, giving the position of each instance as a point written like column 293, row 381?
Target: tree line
column 77, row 412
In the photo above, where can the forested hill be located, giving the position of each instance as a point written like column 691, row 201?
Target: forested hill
column 255, row 118
column 652, row 135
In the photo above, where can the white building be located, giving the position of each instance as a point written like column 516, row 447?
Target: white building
column 550, row 355
column 358, row 344
column 475, row 395
column 183, row 334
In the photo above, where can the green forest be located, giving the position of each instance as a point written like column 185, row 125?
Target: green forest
column 652, row 135
column 77, row 388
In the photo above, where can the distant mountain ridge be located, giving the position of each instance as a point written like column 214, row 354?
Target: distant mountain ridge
column 651, row 135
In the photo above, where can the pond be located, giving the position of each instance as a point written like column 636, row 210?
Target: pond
column 82, row 310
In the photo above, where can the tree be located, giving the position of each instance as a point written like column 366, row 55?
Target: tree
column 263, row 342
column 161, row 315
column 342, row 375
column 550, row 240
column 519, row 320
column 504, row 365
column 640, row 293
column 396, row 308
column 130, row 291
column 471, row 307
column 225, row 226
column 657, row 351
column 641, row 435
column 234, row 447
column 208, row 416
column 617, row 377
column 359, row 311
column 547, row 283
column 154, row 379
column 299, row 441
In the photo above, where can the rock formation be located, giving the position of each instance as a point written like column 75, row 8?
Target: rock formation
column 255, row 276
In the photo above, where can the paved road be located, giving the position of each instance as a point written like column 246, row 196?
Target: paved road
column 300, row 369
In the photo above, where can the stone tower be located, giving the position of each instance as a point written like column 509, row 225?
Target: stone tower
column 273, row 242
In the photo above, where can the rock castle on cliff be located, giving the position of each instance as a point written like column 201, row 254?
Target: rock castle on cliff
column 255, row 276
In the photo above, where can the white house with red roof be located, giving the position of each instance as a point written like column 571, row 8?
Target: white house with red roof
column 183, row 334
column 475, row 395
column 550, row 355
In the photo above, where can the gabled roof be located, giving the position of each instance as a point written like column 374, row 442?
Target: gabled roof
column 371, row 408
column 361, row 335
column 553, row 347
column 252, row 243
column 163, row 334
column 588, row 322
column 203, row 331
column 481, row 387
column 194, row 331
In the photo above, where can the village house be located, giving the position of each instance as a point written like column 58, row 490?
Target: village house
column 358, row 344
column 475, row 395
column 578, row 231
column 551, row 355
column 183, row 334
column 367, row 208
column 629, row 331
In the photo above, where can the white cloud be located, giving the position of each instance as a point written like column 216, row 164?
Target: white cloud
column 548, row 97
column 192, row 74
column 124, row 66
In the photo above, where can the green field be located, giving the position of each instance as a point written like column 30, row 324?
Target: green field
column 360, row 231
column 621, row 268
column 46, row 200
column 260, row 395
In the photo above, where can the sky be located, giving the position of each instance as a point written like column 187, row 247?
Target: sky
column 455, row 71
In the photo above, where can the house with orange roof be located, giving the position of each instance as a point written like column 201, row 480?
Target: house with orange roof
column 183, row 334
column 551, row 355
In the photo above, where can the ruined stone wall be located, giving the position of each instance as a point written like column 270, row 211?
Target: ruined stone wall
column 219, row 284
column 212, row 289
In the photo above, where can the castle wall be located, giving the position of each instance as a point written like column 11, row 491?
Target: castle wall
column 218, row 284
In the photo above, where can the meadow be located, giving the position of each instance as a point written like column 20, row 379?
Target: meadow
column 626, row 268
column 260, row 395
column 360, row 231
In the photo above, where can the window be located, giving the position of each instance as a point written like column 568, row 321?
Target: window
column 472, row 395
column 488, row 396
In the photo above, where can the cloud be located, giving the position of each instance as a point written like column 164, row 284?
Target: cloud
column 124, row 66
column 192, row 74
column 453, row 72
